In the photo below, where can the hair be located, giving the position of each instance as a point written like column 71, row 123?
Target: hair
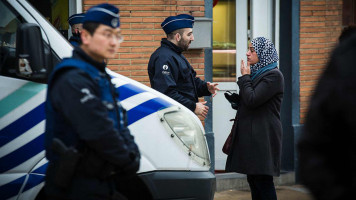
column 171, row 35
column 347, row 32
column 90, row 27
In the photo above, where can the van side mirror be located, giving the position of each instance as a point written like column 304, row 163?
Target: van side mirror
column 30, row 52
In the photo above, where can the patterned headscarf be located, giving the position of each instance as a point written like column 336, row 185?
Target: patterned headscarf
column 267, row 56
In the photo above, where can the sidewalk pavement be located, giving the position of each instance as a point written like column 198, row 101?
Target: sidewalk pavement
column 292, row 192
column 230, row 186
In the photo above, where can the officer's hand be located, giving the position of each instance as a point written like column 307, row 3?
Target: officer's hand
column 129, row 170
column 212, row 87
column 201, row 109
column 133, row 167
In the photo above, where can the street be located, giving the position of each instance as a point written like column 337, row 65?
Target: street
column 293, row 192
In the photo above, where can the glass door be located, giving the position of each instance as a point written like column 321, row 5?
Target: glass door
column 229, row 46
column 224, row 41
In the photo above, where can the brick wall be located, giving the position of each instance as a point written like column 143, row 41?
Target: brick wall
column 141, row 26
column 320, row 27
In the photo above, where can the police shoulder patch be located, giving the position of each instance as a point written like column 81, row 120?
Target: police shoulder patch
column 165, row 68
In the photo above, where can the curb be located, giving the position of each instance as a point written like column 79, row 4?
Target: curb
column 235, row 181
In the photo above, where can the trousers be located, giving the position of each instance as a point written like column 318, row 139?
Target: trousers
column 262, row 187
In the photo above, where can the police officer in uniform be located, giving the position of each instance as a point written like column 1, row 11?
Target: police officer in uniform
column 76, row 23
column 170, row 72
column 88, row 144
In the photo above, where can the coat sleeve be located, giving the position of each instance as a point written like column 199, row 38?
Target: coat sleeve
column 164, row 80
column 202, row 87
column 76, row 96
column 254, row 96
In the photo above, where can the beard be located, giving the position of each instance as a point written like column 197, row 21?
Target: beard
column 184, row 44
column 76, row 34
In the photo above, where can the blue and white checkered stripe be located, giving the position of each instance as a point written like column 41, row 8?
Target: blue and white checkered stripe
column 22, row 122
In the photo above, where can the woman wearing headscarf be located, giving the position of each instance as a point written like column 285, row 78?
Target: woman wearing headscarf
column 257, row 140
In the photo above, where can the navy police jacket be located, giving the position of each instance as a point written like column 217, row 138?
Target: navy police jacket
column 171, row 74
column 75, row 40
column 81, row 111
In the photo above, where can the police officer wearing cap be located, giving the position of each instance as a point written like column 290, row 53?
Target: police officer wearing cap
column 88, row 145
column 171, row 73
column 76, row 23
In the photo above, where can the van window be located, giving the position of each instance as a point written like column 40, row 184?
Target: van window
column 9, row 22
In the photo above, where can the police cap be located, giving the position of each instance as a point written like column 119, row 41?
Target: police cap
column 106, row 14
column 76, row 19
column 173, row 23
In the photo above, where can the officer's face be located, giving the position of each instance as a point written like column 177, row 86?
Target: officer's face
column 185, row 38
column 103, row 43
column 77, row 29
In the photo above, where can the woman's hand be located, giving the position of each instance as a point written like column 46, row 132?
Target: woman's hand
column 245, row 69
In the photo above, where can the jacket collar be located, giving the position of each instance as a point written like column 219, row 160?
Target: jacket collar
column 75, row 39
column 78, row 53
column 168, row 44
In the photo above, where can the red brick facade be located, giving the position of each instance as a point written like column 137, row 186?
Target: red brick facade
column 320, row 27
column 141, row 26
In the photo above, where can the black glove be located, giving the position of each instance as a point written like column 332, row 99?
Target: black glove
column 233, row 98
column 129, row 170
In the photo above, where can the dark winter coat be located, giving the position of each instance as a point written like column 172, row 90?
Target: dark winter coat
column 327, row 145
column 171, row 74
column 257, row 140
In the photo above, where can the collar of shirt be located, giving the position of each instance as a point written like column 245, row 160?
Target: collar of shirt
column 170, row 45
column 78, row 53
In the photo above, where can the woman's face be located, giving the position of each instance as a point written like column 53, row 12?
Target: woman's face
column 252, row 55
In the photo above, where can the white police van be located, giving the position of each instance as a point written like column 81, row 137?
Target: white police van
column 175, row 159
